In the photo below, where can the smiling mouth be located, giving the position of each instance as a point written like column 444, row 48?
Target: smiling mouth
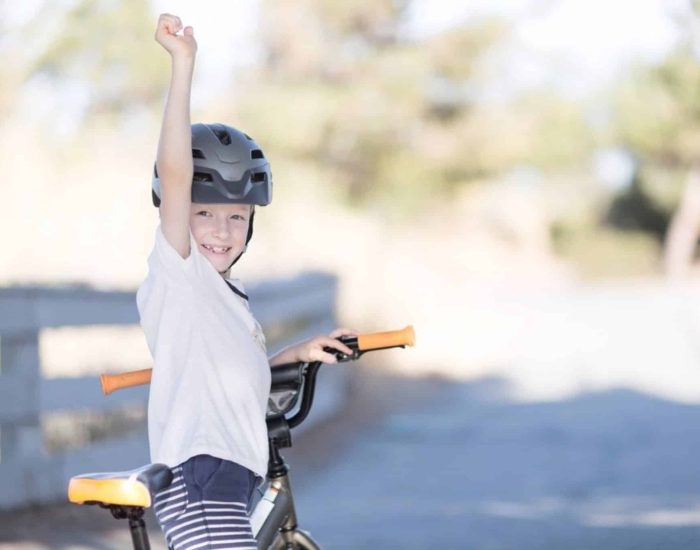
column 217, row 249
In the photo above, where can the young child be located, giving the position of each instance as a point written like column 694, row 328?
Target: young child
column 211, row 375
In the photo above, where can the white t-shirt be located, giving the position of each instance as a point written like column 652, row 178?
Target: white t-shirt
column 211, row 377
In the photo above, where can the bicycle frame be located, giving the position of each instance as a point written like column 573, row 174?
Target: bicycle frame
column 273, row 519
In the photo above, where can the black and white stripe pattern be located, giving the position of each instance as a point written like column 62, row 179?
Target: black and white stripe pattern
column 171, row 502
column 204, row 524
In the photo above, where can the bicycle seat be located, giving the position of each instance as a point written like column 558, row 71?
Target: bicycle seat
column 132, row 488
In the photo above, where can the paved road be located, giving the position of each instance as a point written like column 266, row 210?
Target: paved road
column 430, row 464
column 468, row 468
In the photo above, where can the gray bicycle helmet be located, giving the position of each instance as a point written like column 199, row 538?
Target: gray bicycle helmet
column 229, row 168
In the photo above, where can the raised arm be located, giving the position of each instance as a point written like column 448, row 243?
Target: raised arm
column 174, row 159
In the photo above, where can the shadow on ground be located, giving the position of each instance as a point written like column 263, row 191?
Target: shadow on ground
column 471, row 468
column 432, row 464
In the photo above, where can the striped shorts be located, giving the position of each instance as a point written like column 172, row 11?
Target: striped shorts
column 206, row 506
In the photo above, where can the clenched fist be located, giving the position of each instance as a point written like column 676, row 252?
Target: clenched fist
column 176, row 44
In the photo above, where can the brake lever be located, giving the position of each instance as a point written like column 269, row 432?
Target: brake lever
column 356, row 353
column 343, row 357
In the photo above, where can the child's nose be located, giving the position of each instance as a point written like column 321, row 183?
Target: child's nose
column 222, row 228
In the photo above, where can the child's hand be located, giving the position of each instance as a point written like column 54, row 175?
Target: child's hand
column 176, row 44
column 312, row 350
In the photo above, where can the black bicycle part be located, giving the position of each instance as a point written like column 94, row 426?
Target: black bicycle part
column 353, row 344
column 307, row 375
column 283, row 376
column 289, row 379
column 137, row 526
column 292, row 377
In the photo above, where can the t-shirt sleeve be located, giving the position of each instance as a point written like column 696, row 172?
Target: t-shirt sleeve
column 166, row 261
column 167, row 255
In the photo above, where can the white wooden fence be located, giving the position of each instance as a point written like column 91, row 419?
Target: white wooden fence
column 291, row 309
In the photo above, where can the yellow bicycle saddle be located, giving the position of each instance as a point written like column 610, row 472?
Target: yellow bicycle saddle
column 132, row 488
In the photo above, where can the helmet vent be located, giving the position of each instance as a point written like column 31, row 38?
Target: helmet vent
column 201, row 176
column 257, row 154
column 246, row 135
column 258, row 177
column 197, row 154
column 222, row 135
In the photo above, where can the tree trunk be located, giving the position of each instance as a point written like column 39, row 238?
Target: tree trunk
column 684, row 230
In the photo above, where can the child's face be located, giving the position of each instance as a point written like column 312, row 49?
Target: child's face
column 220, row 230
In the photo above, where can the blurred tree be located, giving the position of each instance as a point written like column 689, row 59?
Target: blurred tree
column 658, row 117
column 635, row 210
column 15, row 53
column 318, row 38
column 11, row 76
column 105, row 46
column 667, row 95
column 390, row 117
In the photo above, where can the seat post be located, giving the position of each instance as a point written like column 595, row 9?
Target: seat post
column 139, row 535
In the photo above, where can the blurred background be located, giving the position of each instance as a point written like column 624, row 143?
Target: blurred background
column 518, row 179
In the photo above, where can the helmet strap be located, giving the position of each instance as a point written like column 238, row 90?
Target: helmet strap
column 248, row 237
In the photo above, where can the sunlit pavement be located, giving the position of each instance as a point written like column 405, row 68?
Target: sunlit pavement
column 586, row 437
column 461, row 465
column 471, row 469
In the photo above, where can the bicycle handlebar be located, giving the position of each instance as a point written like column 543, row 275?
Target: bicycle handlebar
column 360, row 344
column 381, row 340
column 114, row 382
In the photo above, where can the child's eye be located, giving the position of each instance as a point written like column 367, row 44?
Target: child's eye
column 203, row 213
column 237, row 217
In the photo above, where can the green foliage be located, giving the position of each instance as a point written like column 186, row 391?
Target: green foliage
column 553, row 132
column 664, row 186
column 658, row 118
column 374, row 20
column 455, row 54
column 108, row 46
column 659, row 111
column 396, row 121
column 389, row 119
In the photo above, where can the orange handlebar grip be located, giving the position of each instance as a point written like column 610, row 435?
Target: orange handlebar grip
column 375, row 340
column 365, row 342
column 113, row 382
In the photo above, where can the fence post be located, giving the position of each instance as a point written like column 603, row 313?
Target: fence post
column 20, row 369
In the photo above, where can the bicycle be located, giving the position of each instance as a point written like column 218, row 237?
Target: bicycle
column 273, row 519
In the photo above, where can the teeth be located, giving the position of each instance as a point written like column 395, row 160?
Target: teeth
column 217, row 249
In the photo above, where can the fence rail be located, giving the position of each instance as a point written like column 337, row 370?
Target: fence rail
column 288, row 309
